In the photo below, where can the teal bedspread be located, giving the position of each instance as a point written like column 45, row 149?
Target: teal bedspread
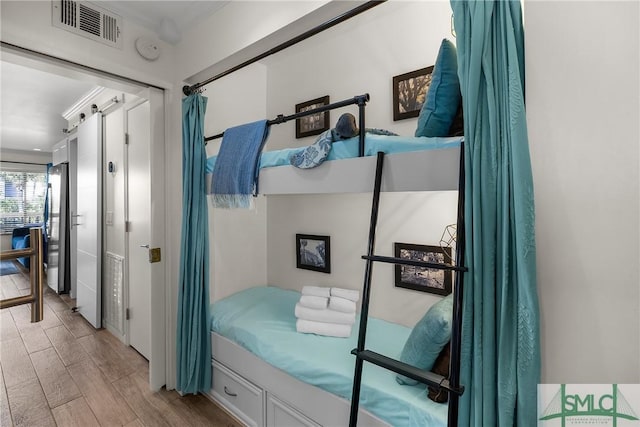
column 348, row 148
column 262, row 320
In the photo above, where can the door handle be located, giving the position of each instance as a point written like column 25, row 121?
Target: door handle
column 144, row 246
column 74, row 216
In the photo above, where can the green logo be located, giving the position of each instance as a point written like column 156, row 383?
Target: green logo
column 589, row 406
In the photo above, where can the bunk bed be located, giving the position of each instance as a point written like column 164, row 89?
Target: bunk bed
column 266, row 373
column 350, row 165
column 417, row 164
column 306, row 379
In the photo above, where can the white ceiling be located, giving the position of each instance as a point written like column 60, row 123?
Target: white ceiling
column 32, row 101
column 31, row 106
column 169, row 19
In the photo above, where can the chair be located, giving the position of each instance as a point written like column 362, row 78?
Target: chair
column 20, row 239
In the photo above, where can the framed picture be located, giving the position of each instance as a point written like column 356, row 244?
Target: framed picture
column 313, row 253
column 410, row 92
column 313, row 124
column 423, row 279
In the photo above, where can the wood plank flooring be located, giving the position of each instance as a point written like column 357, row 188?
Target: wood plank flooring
column 63, row 372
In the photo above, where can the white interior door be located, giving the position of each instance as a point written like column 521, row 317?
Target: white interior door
column 138, row 128
column 89, row 220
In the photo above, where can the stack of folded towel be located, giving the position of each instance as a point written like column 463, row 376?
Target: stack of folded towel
column 326, row 311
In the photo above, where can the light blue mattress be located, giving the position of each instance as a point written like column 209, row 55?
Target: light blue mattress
column 262, row 321
column 348, row 148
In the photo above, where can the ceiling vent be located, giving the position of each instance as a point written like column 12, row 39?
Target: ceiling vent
column 87, row 20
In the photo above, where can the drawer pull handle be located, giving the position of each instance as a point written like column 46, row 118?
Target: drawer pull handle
column 227, row 392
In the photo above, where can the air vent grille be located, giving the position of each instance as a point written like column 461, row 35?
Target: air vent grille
column 68, row 12
column 88, row 20
column 110, row 28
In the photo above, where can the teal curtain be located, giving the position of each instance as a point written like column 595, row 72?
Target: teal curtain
column 193, row 335
column 500, row 337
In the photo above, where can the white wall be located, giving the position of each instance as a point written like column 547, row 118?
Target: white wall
column 582, row 107
column 237, row 238
column 418, row 218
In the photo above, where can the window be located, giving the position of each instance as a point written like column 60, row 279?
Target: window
column 22, row 195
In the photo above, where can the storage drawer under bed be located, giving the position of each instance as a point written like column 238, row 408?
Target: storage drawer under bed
column 241, row 397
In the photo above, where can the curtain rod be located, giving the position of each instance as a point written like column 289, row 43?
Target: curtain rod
column 188, row 90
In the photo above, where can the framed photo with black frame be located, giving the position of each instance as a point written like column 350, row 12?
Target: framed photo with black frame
column 431, row 280
column 313, row 124
column 410, row 92
column 313, row 252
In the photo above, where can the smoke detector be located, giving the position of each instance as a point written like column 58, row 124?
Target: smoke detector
column 147, row 48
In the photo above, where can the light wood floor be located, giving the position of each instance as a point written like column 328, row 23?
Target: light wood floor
column 61, row 371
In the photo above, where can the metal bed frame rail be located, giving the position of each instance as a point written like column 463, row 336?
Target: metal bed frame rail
column 359, row 100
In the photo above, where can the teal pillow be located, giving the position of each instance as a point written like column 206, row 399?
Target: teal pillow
column 428, row 338
column 443, row 97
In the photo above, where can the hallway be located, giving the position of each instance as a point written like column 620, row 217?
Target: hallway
column 61, row 371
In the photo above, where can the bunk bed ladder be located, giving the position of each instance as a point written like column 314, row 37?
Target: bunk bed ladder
column 451, row 385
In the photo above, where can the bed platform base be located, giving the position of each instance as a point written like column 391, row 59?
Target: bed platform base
column 258, row 394
column 432, row 170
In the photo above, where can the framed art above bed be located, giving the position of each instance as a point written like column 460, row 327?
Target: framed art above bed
column 431, row 280
column 410, row 92
column 313, row 253
column 314, row 124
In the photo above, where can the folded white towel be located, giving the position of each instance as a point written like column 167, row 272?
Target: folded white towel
column 313, row 301
column 342, row 304
column 318, row 291
column 349, row 294
column 321, row 328
column 326, row 315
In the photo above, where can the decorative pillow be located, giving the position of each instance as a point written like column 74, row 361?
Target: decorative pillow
column 443, row 97
column 440, row 367
column 428, row 338
column 315, row 154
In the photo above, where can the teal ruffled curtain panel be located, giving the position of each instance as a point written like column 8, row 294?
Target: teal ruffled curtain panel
column 193, row 335
column 500, row 337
